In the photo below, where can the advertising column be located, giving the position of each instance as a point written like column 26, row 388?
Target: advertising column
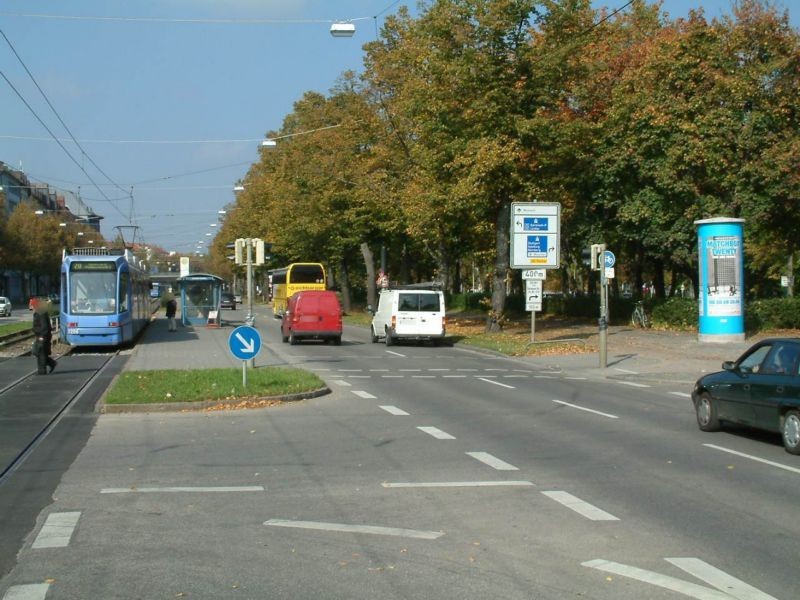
column 720, row 245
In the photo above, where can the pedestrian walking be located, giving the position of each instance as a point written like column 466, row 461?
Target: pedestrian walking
column 42, row 346
column 172, row 308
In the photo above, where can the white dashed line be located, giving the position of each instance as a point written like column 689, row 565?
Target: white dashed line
column 466, row 370
column 755, row 458
column 371, row 529
column 359, row 376
column 597, row 412
column 626, row 371
column 159, row 490
column 634, row 384
column 510, row 387
column 492, row 461
column 542, row 377
column 393, row 410
column 719, row 579
column 515, row 376
column 409, row 370
column 437, row 433
column 29, row 591
column 576, row 378
column 393, row 376
column 453, row 376
column 363, row 394
column 423, row 377
column 349, row 370
column 379, row 370
column 681, row 394
column 341, row 382
column 501, row 370
column 581, row 507
column 396, row 354
column 57, row 530
column 438, row 370
column 457, row 484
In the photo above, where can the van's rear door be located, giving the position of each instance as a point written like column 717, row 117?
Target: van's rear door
column 407, row 313
column 430, row 313
column 306, row 316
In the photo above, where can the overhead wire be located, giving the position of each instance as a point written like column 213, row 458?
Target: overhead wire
column 188, row 21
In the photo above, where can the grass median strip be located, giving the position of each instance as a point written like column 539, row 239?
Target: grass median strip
column 167, row 386
column 9, row 328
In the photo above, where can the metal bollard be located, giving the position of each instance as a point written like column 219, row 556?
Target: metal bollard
column 603, row 341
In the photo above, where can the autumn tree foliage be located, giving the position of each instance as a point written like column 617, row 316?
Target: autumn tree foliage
column 637, row 123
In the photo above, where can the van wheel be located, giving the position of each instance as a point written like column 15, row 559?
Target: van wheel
column 293, row 339
column 389, row 339
column 337, row 341
column 284, row 338
column 372, row 337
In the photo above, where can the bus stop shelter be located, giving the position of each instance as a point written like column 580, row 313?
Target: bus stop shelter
column 201, row 294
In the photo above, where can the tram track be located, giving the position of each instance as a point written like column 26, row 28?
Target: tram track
column 19, row 458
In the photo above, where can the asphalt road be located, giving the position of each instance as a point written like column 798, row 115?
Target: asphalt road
column 427, row 473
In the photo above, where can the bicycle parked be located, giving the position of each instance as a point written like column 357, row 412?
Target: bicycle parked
column 640, row 318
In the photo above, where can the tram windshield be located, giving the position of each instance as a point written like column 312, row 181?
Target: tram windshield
column 93, row 288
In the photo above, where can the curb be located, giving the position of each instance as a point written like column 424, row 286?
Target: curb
column 200, row 405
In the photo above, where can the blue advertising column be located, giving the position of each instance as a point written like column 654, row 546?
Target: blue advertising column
column 720, row 246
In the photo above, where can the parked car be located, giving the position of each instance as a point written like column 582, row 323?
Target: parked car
column 227, row 301
column 5, row 307
column 54, row 298
column 761, row 390
column 238, row 298
column 312, row 315
column 409, row 313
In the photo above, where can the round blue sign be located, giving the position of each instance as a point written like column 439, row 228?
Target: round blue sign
column 609, row 260
column 245, row 342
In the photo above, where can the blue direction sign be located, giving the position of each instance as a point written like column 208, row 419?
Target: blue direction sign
column 244, row 342
column 609, row 260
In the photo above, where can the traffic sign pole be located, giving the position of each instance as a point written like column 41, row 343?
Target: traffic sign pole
column 244, row 343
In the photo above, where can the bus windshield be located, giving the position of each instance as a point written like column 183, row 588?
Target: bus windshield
column 93, row 288
column 306, row 274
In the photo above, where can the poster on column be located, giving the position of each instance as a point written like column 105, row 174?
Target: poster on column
column 722, row 263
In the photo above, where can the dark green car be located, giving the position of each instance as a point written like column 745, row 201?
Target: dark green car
column 761, row 390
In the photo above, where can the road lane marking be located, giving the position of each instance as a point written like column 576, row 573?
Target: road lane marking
column 363, row 394
column 510, row 387
column 755, row 458
column 379, row 370
column 634, row 384
column 597, row 412
column 492, row 461
column 349, row 370
column 466, row 369
column 396, row 354
column 393, row 376
column 454, row 376
column 626, row 371
column 719, row 579
column 409, row 370
column 158, row 490
column 437, row 433
column 457, row 484
column 692, row 590
column 423, row 377
column 57, row 530
column 360, row 376
column 343, row 527
column 576, row 378
column 393, row 410
column 681, row 394
column 438, row 369
column 28, row 591
column 495, row 369
column 341, row 382
column 543, row 377
column 581, row 507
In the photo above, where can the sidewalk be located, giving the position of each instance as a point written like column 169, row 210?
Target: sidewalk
column 190, row 347
column 647, row 355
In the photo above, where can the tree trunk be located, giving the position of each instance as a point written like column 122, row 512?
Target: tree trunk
column 405, row 269
column 501, row 263
column 344, row 281
column 369, row 263
column 457, row 277
column 658, row 278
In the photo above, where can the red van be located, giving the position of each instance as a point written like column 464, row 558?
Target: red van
column 314, row 315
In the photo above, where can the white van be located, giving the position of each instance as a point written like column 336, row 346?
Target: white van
column 409, row 313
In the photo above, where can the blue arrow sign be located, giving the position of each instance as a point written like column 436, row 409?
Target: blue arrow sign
column 609, row 259
column 244, row 342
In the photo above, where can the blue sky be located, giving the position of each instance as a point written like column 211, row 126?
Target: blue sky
column 167, row 81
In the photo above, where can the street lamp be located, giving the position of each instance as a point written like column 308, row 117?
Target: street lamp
column 269, row 143
column 343, row 29
column 238, row 187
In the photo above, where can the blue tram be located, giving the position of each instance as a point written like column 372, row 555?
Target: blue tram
column 105, row 297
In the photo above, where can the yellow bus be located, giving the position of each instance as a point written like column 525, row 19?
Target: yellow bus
column 294, row 278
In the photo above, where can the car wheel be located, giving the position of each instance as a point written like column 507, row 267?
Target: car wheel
column 790, row 432
column 372, row 337
column 706, row 410
column 293, row 339
column 389, row 339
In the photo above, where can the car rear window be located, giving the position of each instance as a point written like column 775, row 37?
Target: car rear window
column 419, row 303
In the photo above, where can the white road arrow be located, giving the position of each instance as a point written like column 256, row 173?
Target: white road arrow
column 729, row 587
column 248, row 346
